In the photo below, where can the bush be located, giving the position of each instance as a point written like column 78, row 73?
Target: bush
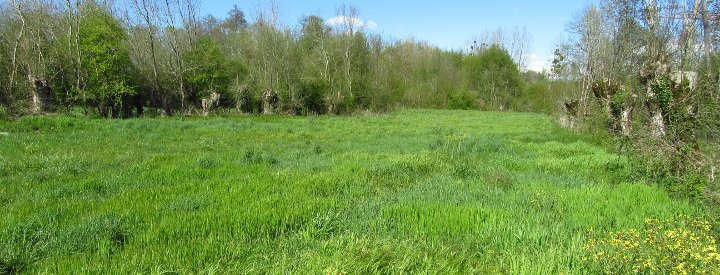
column 462, row 100
column 495, row 75
column 537, row 97
column 677, row 171
column 312, row 97
column 678, row 246
column 244, row 100
column 3, row 113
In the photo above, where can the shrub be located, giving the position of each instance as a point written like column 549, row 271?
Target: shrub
column 3, row 113
column 312, row 97
column 675, row 170
column 243, row 98
column 462, row 100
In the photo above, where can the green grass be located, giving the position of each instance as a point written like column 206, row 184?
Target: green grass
column 417, row 191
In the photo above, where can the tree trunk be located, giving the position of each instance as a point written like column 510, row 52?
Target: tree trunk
column 706, row 31
column 657, row 123
column 17, row 45
column 35, row 102
column 78, row 65
column 626, row 116
column 269, row 102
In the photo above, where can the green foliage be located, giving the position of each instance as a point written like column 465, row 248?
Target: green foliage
column 559, row 62
column 673, row 169
column 314, row 33
column 618, row 102
column 664, row 94
column 211, row 72
column 539, row 97
column 314, row 44
column 462, row 100
column 6, row 91
column 359, row 67
column 244, row 100
column 167, row 68
column 710, row 105
column 672, row 161
column 495, row 75
column 106, row 61
column 3, row 113
column 312, row 95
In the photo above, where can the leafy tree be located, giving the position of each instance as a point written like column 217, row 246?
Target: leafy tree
column 210, row 71
column 106, row 61
column 493, row 73
column 462, row 100
column 359, row 64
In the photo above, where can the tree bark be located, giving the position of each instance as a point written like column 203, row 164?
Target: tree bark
column 626, row 116
column 706, row 31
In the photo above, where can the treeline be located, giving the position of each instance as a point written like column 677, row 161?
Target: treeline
column 649, row 75
column 142, row 56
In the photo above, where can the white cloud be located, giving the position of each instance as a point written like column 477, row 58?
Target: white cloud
column 537, row 63
column 371, row 25
column 356, row 21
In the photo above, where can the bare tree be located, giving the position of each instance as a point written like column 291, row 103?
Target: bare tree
column 16, row 45
column 516, row 41
column 31, row 50
column 148, row 11
column 350, row 24
column 73, row 17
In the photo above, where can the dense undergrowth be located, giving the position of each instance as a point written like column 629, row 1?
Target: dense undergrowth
column 412, row 191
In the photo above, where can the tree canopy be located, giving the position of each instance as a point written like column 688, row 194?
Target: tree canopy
column 165, row 58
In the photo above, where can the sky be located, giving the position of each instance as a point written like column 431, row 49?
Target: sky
column 448, row 24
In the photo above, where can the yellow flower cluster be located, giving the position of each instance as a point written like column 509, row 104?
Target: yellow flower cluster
column 332, row 271
column 675, row 246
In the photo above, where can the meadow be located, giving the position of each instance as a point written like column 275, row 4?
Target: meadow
column 415, row 191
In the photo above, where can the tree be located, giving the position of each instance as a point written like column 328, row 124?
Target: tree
column 516, row 42
column 651, row 58
column 353, row 48
column 209, row 71
column 235, row 20
column 315, row 64
column 359, row 66
column 106, row 62
column 9, row 44
column 145, row 46
column 493, row 73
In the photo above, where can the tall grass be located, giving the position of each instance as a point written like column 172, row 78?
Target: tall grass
column 413, row 191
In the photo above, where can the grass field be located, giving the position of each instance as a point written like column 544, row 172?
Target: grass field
column 417, row 191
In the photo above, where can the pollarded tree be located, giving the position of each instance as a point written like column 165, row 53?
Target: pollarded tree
column 106, row 62
column 493, row 73
column 272, row 65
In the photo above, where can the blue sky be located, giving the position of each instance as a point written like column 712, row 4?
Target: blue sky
column 447, row 24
